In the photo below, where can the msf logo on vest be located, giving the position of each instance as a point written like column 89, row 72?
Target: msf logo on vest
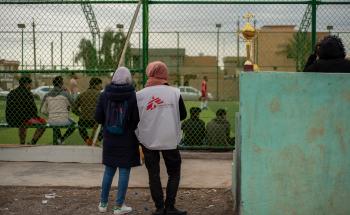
column 153, row 103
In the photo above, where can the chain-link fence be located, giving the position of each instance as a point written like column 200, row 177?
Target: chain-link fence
column 195, row 39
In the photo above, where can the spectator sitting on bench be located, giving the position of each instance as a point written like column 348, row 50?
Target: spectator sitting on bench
column 57, row 104
column 193, row 128
column 85, row 107
column 218, row 129
column 21, row 111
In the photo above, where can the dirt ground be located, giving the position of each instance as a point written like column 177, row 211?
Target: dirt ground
column 67, row 200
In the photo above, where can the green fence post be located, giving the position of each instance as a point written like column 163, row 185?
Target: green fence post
column 313, row 24
column 144, row 40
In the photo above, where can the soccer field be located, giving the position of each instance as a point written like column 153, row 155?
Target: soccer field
column 10, row 135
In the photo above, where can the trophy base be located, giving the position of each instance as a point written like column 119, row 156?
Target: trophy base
column 248, row 66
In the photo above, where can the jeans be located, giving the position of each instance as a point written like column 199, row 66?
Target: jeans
column 172, row 161
column 122, row 184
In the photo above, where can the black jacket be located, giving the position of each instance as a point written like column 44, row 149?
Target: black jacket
column 330, row 65
column 20, row 106
column 120, row 150
column 331, row 57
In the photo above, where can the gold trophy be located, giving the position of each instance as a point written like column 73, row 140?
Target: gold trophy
column 248, row 33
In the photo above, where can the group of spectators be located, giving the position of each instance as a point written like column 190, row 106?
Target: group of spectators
column 150, row 119
column 217, row 131
column 21, row 110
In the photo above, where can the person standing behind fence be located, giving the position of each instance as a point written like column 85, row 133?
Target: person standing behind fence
column 85, row 107
column 57, row 104
column 204, row 93
column 331, row 57
column 193, row 129
column 73, row 86
column 161, row 108
column 21, row 111
column 117, row 112
column 218, row 129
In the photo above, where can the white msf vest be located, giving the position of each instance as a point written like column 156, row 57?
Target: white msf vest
column 159, row 126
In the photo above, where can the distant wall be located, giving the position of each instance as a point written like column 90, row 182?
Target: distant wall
column 295, row 143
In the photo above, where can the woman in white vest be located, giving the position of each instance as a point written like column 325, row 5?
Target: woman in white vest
column 161, row 109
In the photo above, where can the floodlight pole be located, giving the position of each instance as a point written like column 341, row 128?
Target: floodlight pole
column 22, row 27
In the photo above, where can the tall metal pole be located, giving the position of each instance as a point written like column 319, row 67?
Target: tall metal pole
column 22, row 47
column 61, row 54
column 238, row 32
column 144, row 39
column 218, row 26
column 22, row 27
column 34, row 48
column 313, row 24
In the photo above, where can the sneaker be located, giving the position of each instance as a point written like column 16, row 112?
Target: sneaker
column 122, row 210
column 102, row 207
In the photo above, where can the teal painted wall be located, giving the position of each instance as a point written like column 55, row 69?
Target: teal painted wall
column 295, row 143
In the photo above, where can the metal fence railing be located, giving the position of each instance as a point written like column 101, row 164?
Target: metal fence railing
column 45, row 38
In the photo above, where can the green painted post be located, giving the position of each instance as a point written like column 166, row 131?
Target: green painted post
column 144, row 39
column 313, row 24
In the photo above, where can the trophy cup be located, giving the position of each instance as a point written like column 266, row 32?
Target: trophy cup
column 248, row 33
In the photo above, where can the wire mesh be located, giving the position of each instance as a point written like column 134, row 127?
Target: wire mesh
column 194, row 38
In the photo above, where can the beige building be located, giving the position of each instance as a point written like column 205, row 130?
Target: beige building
column 270, row 44
column 7, row 80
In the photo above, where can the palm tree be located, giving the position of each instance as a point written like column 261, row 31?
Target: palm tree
column 107, row 61
column 297, row 49
column 111, row 49
column 87, row 54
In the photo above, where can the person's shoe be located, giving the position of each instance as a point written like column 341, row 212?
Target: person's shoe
column 102, row 207
column 122, row 210
column 159, row 211
column 60, row 142
column 174, row 211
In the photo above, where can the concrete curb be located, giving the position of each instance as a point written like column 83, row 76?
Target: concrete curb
column 81, row 154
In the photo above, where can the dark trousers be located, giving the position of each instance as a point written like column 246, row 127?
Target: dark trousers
column 172, row 161
column 84, row 124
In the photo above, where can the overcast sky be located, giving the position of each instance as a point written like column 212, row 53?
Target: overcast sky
column 50, row 20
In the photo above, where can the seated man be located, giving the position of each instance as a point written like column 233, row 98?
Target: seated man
column 218, row 129
column 21, row 111
column 85, row 107
column 57, row 104
column 193, row 128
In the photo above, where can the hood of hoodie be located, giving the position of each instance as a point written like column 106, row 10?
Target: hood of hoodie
column 331, row 48
column 119, row 92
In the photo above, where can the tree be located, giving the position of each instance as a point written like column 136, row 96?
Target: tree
column 87, row 54
column 297, row 49
column 111, row 49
